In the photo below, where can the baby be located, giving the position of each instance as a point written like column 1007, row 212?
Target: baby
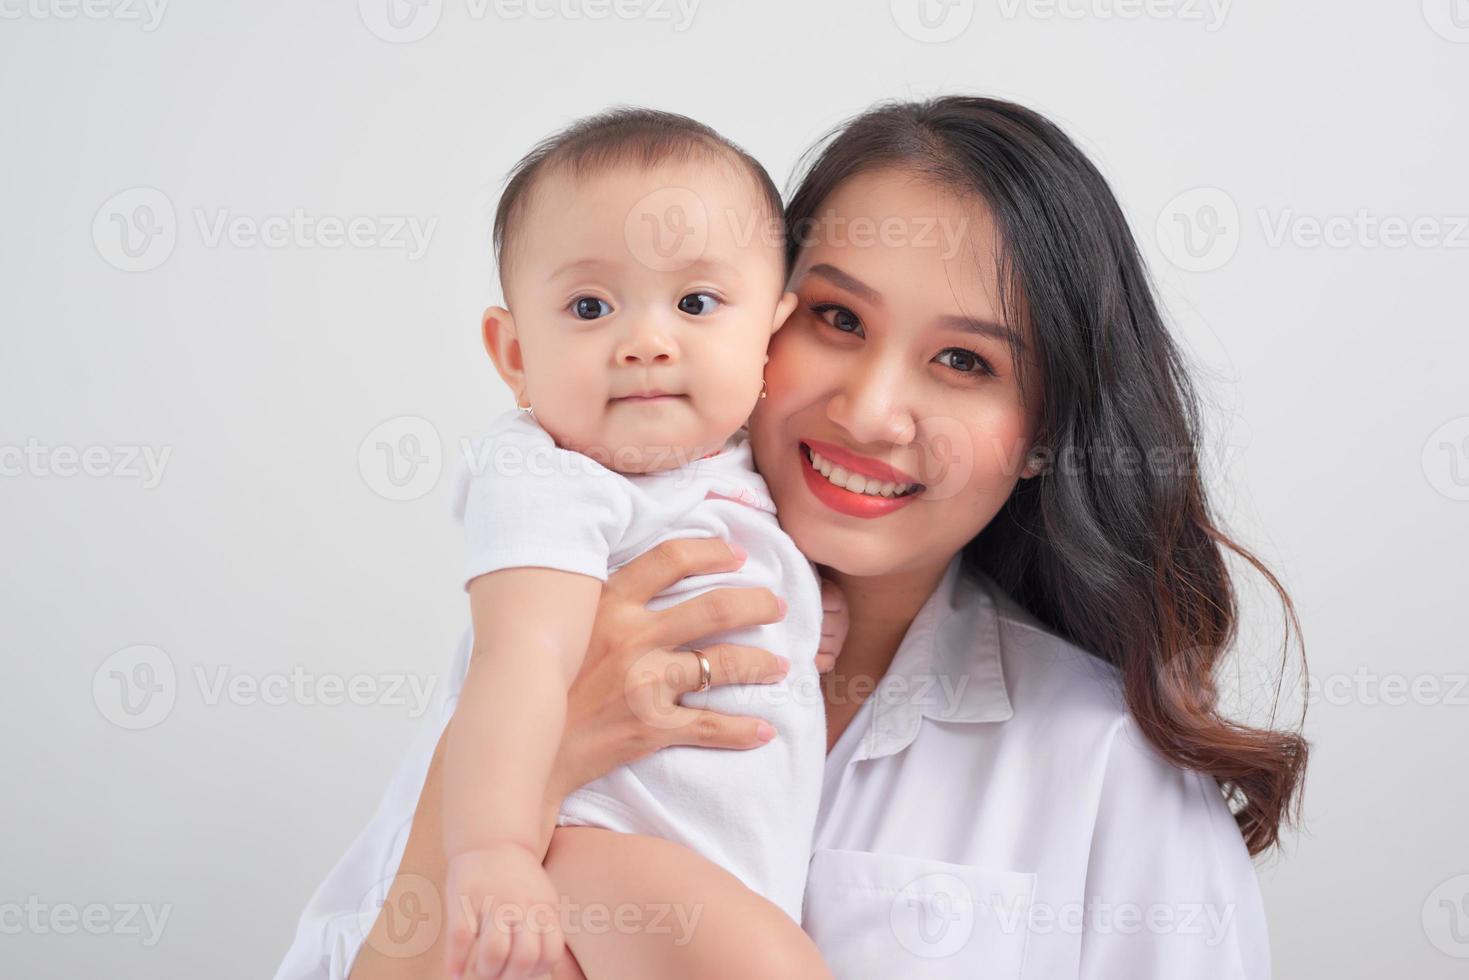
column 642, row 287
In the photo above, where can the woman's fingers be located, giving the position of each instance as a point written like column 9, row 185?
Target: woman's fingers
column 711, row 729
column 714, row 612
column 729, row 663
column 672, row 561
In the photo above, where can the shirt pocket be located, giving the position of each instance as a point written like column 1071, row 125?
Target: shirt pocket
column 883, row 916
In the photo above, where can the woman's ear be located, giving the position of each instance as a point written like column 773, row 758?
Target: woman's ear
column 501, row 343
column 783, row 310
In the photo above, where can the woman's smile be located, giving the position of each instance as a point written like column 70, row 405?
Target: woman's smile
column 871, row 501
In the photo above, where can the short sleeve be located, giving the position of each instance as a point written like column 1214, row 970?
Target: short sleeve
column 525, row 502
column 1170, row 890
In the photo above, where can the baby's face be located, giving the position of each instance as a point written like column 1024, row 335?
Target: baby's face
column 632, row 282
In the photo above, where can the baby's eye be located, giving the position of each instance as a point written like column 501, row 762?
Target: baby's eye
column 698, row 304
column 590, row 308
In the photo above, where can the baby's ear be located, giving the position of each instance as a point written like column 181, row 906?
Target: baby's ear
column 783, row 310
column 501, row 343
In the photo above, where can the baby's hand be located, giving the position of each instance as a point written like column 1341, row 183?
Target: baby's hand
column 502, row 914
column 834, row 622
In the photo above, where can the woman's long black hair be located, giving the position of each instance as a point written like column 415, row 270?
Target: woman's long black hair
column 1123, row 559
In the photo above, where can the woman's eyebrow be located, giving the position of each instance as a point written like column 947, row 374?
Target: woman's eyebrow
column 985, row 328
column 846, row 281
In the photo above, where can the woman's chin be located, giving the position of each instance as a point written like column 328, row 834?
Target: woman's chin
column 850, row 551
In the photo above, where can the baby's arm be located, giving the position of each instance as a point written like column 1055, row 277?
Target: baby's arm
column 531, row 628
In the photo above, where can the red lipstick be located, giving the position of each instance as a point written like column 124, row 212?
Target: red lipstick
column 845, row 501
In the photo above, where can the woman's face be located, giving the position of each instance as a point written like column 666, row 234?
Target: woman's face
column 895, row 367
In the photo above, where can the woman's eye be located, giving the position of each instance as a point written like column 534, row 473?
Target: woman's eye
column 966, row 361
column 839, row 317
column 698, row 304
column 590, row 308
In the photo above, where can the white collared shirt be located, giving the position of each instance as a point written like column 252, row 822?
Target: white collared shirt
column 991, row 811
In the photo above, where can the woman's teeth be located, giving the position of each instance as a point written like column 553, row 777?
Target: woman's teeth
column 855, row 482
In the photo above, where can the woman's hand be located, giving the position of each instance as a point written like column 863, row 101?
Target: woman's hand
column 623, row 704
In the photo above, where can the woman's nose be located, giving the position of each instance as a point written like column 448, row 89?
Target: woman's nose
column 872, row 403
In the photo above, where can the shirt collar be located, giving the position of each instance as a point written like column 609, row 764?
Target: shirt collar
column 947, row 668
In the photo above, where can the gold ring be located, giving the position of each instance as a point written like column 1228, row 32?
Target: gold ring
column 705, row 674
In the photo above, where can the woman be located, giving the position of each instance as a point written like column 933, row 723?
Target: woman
column 1027, row 773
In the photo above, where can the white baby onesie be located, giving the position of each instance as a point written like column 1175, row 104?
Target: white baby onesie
column 525, row 502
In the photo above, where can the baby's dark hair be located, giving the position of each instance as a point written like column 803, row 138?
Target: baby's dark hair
column 617, row 137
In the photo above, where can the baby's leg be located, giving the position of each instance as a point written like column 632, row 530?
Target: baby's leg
column 644, row 908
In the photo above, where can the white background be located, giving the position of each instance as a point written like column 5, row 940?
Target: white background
column 268, row 543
